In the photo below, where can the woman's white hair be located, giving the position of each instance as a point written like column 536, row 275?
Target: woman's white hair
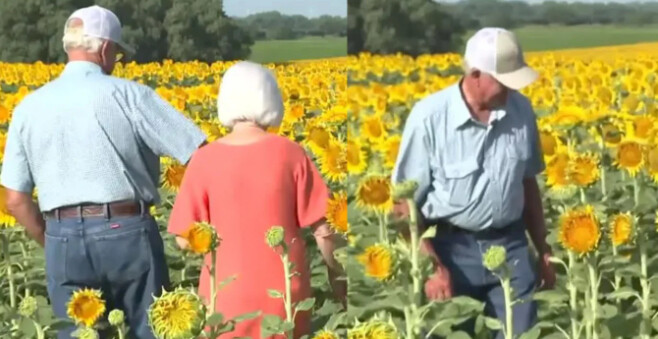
column 249, row 92
column 75, row 38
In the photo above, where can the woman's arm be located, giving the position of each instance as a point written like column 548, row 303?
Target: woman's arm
column 328, row 240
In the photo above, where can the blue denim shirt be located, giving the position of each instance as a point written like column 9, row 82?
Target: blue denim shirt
column 469, row 174
column 87, row 137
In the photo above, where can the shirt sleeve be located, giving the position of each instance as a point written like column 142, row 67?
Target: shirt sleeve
column 413, row 161
column 191, row 203
column 165, row 130
column 312, row 194
column 16, row 174
column 535, row 164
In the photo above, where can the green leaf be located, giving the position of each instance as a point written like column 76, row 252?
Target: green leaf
column 622, row 293
column 247, row 316
column 551, row 296
column 271, row 325
column 275, row 294
column 607, row 311
column 429, row 233
column 215, row 319
column 493, row 323
column 287, row 326
column 532, row 334
column 458, row 335
column 27, row 327
column 305, row 304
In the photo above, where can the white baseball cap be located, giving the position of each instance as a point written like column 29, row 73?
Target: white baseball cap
column 101, row 23
column 497, row 52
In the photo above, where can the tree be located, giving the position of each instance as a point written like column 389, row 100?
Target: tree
column 200, row 30
column 412, row 27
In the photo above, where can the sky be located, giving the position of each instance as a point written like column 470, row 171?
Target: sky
column 309, row 8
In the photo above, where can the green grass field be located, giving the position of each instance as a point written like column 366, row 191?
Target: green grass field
column 542, row 38
column 305, row 48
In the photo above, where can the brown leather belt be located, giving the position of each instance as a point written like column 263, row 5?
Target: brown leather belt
column 113, row 209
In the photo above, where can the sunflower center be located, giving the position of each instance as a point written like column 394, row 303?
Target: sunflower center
column 630, row 154
column 376, row 193
column 353, row 156
column 548, row 143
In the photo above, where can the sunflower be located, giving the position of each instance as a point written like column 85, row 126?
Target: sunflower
column 6, row 219
column 557, row 169
column 333, row 162
column 317, row 138
column 651, row 161
column 325, row 334
column 630, row 156
column 358, row 332
column 549, row 143
column 374, row 193
column 378, row 261
column 579, row 230
column 390, row 151
column 337, row 212
column 583, row 169
column 373, row 128
column 202, row 237
column 621, row 228
column 86, row 306
column 177, row 315
column 357, row 160
column 3, row 143
column 172, row 176
column 378, row 329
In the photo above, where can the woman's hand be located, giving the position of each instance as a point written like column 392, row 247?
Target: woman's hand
column 182, row 243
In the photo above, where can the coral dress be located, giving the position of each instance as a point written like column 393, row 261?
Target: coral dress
column 243, row 190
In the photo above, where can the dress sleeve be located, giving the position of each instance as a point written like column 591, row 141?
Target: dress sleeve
column 312, row 194
column 191, row 203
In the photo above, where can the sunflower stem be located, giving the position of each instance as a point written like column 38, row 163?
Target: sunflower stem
column 415, row 249
column 573, row 297
column 288, row 295
column 594, row 295
column 583, row 197
column 10, row 271
column 636, row 190
column 617, row 280
column 213, row 281
column 507, row 293
column 645, row 330
column 383, row 233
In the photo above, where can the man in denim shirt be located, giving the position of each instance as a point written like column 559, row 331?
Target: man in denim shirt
column 91, row 143
column 473, row 148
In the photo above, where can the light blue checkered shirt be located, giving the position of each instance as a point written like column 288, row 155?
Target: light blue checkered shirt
column 91, row 138
column 469, row 174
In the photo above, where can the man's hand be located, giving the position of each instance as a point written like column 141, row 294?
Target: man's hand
column 439, row 285
column 21, row 206
column 547, row 275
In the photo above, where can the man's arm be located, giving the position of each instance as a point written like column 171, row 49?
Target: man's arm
column 533, row 216
column 165, row 130
column 26, row 212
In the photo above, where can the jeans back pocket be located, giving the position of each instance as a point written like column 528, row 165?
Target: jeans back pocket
column 125, row 255
column 55, row 250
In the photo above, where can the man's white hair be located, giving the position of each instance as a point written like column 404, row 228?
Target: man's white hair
column 249, row 92
column 75, row 38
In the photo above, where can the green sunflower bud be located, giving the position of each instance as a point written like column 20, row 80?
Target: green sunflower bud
column 495, row 257
column 27, row 306
column 275, row 236
column 116, row 317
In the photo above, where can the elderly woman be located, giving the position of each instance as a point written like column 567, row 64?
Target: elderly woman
column 245, row 183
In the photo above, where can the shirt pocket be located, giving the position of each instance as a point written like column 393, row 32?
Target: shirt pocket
column 461, row 177
column 517, row 158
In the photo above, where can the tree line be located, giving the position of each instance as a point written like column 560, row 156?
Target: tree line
column 426, row 26
column 276, row 26
column 181, row 30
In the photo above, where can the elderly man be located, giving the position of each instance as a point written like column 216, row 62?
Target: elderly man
column 473, row 149
column 91, row 144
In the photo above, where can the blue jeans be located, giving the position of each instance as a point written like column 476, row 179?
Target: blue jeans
column 121, row 256
column 462, row 254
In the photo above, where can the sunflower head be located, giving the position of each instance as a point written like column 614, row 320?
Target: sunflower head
column 28, row 306
column 202, row 238
column 179, row 314
column 360, row 331
column 85, row 333
column 172, row 176
column 379, row 329
column 116, row 317
column 405, row 190
column 583, row 169
column 621, row 228
column 86, row 306
column 378, row 261
column 579, row 230
column 325, row 334
column 337, row 212
column 630, row 155
column 275, row 236
column 494, row 257
column 374, row 193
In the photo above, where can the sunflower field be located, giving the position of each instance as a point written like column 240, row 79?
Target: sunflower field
column 597, row 112
column 316, row 111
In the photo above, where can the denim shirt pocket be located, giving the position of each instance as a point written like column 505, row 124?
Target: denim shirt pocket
column 461, row 177
column 517, row 158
